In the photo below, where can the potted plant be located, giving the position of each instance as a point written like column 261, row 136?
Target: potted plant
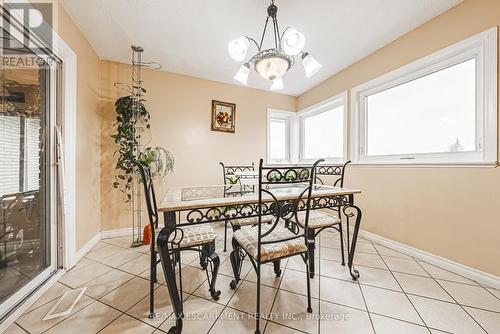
column 131, row 113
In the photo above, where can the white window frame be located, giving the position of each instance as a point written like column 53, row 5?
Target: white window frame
column 289, row 118
column 482, row 47
column 321, row 107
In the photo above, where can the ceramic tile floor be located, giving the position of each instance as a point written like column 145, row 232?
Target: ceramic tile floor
column 395, row 294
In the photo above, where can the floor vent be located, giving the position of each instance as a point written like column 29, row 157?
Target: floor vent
column 65, row 304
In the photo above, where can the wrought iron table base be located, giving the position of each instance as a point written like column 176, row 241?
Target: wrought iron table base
column 220, row 214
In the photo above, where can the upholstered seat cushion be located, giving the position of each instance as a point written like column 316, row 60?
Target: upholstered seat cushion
column 247, row 237
column 251, row 220
column 196, row 235
column 317, row 219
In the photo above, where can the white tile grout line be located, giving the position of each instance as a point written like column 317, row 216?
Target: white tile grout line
column 243, row 279
column 283, row 273
column 404, row 292
column 226, row 305
column 449, row 294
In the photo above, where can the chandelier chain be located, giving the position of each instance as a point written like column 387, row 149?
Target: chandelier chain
column 263, row 34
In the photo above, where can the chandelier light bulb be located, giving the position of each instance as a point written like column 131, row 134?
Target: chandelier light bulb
column 238, row 48
column 293, row 41
column 242, row 75
column 277, row 84
column 311, row 65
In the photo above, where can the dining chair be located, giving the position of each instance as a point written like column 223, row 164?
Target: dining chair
column 229, row 179
column 283, row 238
column 198, row 238
column 320, row 220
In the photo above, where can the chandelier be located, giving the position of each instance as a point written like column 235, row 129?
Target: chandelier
column 272, row 64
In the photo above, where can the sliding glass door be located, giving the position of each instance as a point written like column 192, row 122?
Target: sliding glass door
column 28, row 187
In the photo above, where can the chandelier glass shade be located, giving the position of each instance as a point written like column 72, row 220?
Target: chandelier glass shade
column 238, row 48
column 242, row 75
column 273, row 63
column 277, row 84
column 311, row 65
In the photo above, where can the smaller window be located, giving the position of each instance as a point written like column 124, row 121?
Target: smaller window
column 279, row 128
column 322, row 131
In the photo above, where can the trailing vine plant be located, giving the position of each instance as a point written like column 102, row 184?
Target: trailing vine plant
column 158, row 159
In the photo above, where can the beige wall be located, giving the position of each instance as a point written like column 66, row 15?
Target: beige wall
column 180, row 108
column 450, row 212
column 87, row 130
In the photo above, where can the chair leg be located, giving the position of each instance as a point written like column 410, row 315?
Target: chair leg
column 225, row 235
column 257, row 313
column 308, row 278
column 341, row 244
column 152, row 281
column 277, row 268
column 311, row 246
column 203, row 256
column 178, row 260
column 214, row 259
column 236, row 263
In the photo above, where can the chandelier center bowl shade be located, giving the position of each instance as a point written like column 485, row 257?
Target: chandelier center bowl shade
column 272, row 63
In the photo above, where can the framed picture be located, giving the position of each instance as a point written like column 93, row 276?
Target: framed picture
column 223, row 116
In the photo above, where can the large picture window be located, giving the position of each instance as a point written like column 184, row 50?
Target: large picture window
column 439, row 109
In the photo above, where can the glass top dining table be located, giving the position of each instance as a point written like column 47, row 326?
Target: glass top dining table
column 195, row 205
column 199, row 197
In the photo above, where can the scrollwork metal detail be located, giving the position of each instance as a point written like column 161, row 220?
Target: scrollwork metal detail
column 281, row 175
column 329, row 170
column 222, row 213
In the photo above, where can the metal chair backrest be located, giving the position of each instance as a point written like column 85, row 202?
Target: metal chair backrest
column 274, row 178
column 228, row 171
column 337, row 170
column 149, row 193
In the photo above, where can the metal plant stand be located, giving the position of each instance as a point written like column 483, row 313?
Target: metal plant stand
column 137, row 91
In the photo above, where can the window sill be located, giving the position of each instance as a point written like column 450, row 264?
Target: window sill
column 397, row 164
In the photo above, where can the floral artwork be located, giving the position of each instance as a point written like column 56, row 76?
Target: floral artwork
column 223, row 116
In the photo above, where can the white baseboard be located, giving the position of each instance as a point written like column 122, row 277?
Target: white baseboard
column 30, row 301
column 469, row 272
column 116, row 233
column 85, row 249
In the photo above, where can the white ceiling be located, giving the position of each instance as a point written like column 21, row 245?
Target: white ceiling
column 190, row 37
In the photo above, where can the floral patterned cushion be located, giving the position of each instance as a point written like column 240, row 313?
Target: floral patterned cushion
column 196, row 235
column 247, row 237
column 317, row 219
column 251, row 220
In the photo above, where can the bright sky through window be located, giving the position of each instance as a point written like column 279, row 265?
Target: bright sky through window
column 324, row 134
column 277, row 137
column 432, row 114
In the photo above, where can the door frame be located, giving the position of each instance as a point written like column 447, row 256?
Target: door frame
column 68, row 193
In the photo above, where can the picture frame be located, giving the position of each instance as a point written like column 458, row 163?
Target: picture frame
column 223, row 116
